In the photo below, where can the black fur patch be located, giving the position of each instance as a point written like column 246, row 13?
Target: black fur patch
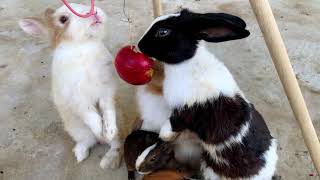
column 184, row 32
column 218, row 119
column 213, row 121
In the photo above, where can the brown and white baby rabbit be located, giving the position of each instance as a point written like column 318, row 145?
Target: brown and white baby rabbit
column 145, row 152
column 83, row 82
column 205, row 99
column 134, row 145
column 158, row 156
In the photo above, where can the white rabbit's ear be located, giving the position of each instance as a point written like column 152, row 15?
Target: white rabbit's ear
column 34, row 27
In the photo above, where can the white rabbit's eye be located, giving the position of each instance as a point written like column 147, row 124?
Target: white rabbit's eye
column 163, row 32
column 63, row 19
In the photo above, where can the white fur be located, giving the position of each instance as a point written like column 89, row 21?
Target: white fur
column 83, row 84
column 271, row 158
column 142, row 157
column 154, row 110
column 198, row 79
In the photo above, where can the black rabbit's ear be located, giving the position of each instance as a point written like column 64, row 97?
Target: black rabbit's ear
column 222, row 33
column 216, row 27
column 228, row 18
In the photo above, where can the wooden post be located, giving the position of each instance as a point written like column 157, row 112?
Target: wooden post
column 157, row 8
column 287, row 76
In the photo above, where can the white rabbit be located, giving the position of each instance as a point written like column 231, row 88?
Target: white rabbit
column 83, row 82
column 154, row 112
column 205, row 99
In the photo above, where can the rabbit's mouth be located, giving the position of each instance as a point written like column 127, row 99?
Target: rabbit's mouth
column 97, row 20
column 96, row 23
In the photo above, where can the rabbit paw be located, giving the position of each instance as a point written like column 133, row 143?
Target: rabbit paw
column 81, row 152
column 111, row 160
column 166, row 132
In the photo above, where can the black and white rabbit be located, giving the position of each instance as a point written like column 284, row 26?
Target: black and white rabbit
column 204, row 97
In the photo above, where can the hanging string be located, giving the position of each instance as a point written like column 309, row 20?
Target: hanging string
column 128, row 20
column 92, row 12
column 124, row 11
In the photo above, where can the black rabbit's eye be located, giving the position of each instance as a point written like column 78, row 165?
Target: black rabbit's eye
column 63, row 19
column 163, row 32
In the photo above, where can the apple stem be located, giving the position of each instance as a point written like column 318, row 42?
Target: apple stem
column 133, row 48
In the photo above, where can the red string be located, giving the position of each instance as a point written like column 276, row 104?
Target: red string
column 91, row 13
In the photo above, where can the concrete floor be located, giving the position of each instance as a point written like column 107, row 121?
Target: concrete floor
column 33, row 145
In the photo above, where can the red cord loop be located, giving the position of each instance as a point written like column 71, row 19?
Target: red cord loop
column 91, row 13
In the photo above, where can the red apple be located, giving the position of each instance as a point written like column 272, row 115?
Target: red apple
column 134, row 67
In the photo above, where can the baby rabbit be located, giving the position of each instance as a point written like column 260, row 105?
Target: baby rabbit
column 205, row 99
column 158, row 156
column 83, row 84
column 134, row 145
column 145, row 152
